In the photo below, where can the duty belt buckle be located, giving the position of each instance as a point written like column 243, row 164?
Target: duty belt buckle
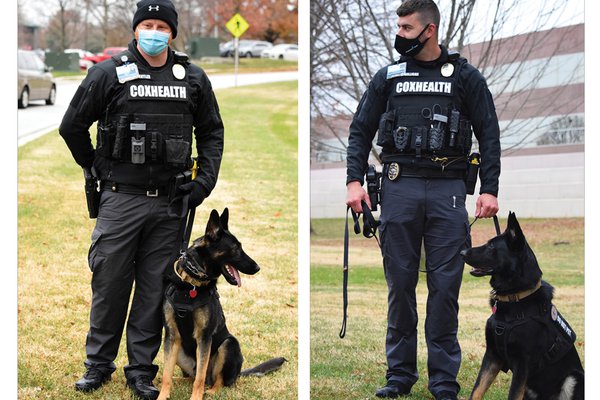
column 152, row 193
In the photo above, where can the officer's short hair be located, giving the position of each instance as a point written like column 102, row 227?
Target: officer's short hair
column 427, row 10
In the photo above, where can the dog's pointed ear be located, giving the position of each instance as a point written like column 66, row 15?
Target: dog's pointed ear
column 225, row 219
column 213, row 227
column 516, row 239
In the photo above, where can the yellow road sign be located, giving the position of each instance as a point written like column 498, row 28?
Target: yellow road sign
column 237, row 25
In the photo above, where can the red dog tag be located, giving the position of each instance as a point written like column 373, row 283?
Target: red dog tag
column 193, row 293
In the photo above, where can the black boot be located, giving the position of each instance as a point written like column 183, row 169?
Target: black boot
column 91, row 380
column 142, row 387
column 392, row 390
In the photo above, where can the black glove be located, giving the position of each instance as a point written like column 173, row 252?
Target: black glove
column 196, row 191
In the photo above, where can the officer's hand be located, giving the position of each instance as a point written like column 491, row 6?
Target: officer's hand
column 486, row 206
column 196, row 191
column 355, row 194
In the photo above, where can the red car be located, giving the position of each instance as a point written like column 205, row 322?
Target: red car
column 105, row 55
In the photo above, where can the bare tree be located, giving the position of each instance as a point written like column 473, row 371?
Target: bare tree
column 352, row 39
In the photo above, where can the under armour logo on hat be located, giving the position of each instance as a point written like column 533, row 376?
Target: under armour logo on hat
column 156, row 9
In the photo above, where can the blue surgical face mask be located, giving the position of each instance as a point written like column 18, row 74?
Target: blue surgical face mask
column 153, row 42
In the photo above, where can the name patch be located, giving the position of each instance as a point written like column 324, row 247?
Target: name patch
column 145, row 91
column 424, row 87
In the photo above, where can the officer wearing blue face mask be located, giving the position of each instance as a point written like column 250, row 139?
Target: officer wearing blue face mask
column 424, row 108
column 151, row 104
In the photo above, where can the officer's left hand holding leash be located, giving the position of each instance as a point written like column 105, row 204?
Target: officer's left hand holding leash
column 195, row 190
column 486, row 206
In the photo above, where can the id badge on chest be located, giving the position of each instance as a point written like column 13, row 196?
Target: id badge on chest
column 127, row 72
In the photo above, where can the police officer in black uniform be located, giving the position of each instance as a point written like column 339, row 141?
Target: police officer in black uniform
column 149, row 102
column 424, row 107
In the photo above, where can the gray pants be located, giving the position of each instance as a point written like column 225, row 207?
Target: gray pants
column 134, row 241
column 429, row 211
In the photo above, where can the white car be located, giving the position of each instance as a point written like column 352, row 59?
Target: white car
column 253, row 48
column 278, row 52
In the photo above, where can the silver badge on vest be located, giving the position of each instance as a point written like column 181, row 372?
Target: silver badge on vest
column 178, row 71
column 393, row 171
column 447, row 70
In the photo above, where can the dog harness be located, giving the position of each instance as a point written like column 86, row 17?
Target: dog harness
column 186, row 298
column 534, row 309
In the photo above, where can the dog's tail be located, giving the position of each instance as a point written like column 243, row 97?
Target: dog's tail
column 264, row 368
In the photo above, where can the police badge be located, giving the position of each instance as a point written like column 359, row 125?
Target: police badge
column 393, row 171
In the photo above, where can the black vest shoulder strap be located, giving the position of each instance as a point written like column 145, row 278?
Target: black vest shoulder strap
column 122, row 57
column 181, row 58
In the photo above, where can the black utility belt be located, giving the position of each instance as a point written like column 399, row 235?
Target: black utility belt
column 394, row 170
column 116, row 187
column 144, row 146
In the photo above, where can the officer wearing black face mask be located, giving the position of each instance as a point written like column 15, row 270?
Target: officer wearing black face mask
column 423, row 107
column 149, row 102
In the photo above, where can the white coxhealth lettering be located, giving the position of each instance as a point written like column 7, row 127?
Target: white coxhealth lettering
column 424, row 86
column 156, row 91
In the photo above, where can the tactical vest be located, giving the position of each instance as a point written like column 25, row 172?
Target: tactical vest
column 149, row 122
column 424, row 115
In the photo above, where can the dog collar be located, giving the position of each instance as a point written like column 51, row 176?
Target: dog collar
column 515, row 297
column 188, row 273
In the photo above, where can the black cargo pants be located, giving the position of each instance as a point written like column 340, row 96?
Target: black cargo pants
column 429, row 211
column 134, row 241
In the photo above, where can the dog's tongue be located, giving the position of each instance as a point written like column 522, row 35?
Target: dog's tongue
column 234, row 272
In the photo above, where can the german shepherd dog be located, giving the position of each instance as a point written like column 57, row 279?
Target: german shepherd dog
column 196, row 337
column 525, row 334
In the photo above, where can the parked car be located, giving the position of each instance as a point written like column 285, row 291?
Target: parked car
column 105, row 55
column 83, row 63
column 35, row 82
column 253, row 48
column 225, row 48
column 291, row 54
column 278, row 52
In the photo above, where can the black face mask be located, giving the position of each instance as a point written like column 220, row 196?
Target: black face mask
column 410, row 47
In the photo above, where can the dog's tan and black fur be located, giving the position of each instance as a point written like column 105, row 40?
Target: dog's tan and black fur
column 525, row 333
column 196, row 337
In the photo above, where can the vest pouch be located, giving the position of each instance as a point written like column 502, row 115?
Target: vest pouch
column 104, row 139
column 401, row 138
column 385, row 137
column 465, row 137
column 154, row 146
column 177, row 152
column 436, row 139
column 418, row 139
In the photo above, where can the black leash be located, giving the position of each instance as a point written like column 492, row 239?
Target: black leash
column 369, row 230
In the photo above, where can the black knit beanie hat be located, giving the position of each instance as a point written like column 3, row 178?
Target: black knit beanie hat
column 156, row 9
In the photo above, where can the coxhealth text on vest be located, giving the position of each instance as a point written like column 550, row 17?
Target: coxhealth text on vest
column 424, row 86
column 158, row 91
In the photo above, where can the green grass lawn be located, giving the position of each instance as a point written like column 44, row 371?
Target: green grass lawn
column 258, row 182
column 222, row 66
column 355, row 366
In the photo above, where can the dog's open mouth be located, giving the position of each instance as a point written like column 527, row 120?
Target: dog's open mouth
column 481, row 271
column 232, row 275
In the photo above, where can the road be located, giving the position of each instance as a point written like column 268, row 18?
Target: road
column 39, row 119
